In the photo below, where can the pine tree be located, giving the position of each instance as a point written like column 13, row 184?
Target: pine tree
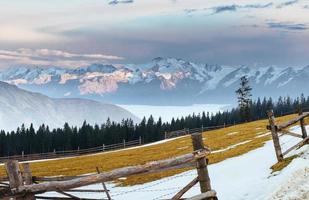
column 244, row 98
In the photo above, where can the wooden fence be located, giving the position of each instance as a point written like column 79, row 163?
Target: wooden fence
column 102, row 148
column 69, row 153
column 22, row 185
column 187, row 131
column 282, row 128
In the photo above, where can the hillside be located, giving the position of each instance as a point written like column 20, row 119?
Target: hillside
column 225, row 143
column 158, row 81
column 241, row 167
column 245, row 177
column 19, row 106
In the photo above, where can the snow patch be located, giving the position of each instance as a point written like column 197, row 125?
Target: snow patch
column 231, row 147
column 17, row 81
column 181, row 148
column 284, row 83
column 42, row 79
column 259, row 135
column 233, row 133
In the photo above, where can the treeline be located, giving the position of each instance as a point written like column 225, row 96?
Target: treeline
column 29, row 140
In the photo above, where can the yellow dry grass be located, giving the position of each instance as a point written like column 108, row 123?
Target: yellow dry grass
column 253, row 133
column 282, row 164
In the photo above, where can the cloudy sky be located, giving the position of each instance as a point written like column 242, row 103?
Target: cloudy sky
column 78, row 32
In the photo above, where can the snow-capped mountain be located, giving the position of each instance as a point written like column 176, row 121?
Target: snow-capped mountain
column 19, row 106
column 162, row 81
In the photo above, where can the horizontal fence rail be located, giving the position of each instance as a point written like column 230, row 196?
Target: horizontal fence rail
column 293, row 121
column 22, row 185
column 187, row 131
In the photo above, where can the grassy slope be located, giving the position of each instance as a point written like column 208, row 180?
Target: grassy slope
column 216, row 140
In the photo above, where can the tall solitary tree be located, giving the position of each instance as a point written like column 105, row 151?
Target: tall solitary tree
column 244, row 98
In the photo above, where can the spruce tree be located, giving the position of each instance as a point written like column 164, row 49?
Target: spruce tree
column 244, row 98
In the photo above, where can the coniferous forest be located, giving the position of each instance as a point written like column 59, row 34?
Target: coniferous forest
column 44, row 139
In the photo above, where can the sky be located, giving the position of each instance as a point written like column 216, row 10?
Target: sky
column 74, row 33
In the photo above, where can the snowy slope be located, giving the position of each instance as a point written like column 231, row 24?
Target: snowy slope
column 247, row 177
column 19, row 106
column 158, row 81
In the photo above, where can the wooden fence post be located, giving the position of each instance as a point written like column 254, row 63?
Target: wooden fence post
column 124, row 143
column 302, row 124
column 274, row 134
column 103, row 147
column 14, row 175
column 201, row 164
column 104, row 186
column 28, row 180
column 140, row 140
column 27, row 173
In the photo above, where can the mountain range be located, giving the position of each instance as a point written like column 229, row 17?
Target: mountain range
column 18, row 106
column 163, row 81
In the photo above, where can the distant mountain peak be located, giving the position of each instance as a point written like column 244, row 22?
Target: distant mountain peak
column 157, row 59
column 19, row 107
column 164, row 77
column 97, row 67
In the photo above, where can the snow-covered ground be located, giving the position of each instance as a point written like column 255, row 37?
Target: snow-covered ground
column 246, row 177
column 173, row 111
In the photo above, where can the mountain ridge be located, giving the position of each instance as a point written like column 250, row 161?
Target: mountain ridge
column 166, row 78
column 18, row 106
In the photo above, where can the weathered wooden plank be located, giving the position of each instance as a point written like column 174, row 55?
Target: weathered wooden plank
column 63, row 198
column 104, row 186
column 274, row 134
column 302, row 125
column 286, row 132
column 293, row 121
column 185, row 189
column 84, row 190
column 54, row 178
column 201, row 164
column 27, row 175
column 65, row 178
column 68, row 195
column 205, row 195
column 14, row 174
column 154, row 166
column 15, row 177
column 301, row 143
